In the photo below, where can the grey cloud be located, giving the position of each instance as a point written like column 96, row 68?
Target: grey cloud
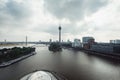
column 13, row 13
column 73, row 9
column 17, row 10
column 94, row 5
column 51, row 29
column 78, row 30
column 71, row 28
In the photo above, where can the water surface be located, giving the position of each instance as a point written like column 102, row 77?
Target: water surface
column 74, row 65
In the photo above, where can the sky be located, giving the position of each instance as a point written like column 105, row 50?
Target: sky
column 40, row 19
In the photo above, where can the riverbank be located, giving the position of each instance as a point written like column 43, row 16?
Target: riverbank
column 8, row 44
column 108, row 55
column 4, row 64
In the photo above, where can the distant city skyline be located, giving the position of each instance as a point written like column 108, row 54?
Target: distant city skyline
column 40, row 19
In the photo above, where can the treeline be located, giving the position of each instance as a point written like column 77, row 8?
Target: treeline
column 13, row 53
column 67, row 45
column 55, row 47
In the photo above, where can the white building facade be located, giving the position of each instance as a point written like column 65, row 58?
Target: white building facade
column 77, row 43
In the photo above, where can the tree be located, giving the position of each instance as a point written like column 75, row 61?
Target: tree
column 55, row 47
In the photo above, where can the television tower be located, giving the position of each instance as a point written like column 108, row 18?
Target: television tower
column 59, row 33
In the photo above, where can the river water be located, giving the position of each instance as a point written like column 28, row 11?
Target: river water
column 74, row 65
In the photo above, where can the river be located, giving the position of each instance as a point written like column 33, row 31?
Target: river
column 74, row 65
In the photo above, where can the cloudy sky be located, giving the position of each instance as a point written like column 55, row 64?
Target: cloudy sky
column 39, row 19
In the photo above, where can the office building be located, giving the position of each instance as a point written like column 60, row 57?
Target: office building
column 117, row 41
column 106, row 48
column 77, row 43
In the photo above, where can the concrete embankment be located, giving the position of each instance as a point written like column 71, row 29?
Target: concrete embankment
column 4, row 64
column 109, row 55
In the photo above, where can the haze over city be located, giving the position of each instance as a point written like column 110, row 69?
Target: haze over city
column 39, row 19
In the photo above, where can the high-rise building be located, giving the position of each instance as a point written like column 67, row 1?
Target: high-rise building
column 87, row 42
column 86, row 39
